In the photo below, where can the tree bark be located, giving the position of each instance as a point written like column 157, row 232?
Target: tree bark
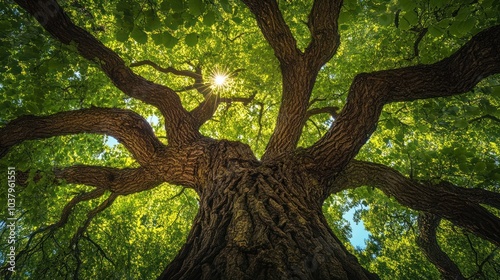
column 261, row 222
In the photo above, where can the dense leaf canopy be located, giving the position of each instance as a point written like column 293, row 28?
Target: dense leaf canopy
column 185, row 44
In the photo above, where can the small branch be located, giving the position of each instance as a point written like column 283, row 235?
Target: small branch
column 66, row 212
column 427, row 241
column 90, row 215
column 99, row 248
column 420, row 36
column 206, row 109
column 167, row 70
column 333, row 111
column 487, row 116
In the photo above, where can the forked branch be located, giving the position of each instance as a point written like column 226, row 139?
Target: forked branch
column 298, row 69
column 129, row 128
column 323, row 25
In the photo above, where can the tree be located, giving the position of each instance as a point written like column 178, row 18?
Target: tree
column 415, row 139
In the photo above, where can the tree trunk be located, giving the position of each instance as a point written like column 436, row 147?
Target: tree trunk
column 261, row 222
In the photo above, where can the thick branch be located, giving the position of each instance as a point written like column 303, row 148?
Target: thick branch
column 120, row 181
column 443, row 200
column 457, row 74
column 129, row 128
column 427, row 224
column 274, row 29
column 58, row 24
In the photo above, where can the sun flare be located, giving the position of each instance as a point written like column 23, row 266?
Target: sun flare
column 220, row 79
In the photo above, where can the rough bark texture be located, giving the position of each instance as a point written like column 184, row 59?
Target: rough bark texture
column 262, row 219
column 261, row 222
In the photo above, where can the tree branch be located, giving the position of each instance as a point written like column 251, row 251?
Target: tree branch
column 459, row 73
column 333, row 111
column 274, row 29
column 167, row 70
column 206, row 109
column 178, row 122
column 323, row 26
column 120, row 181
column 63, row 220
column 427, row 241
column 443, row 200
column 129, row 128
column 90, row 216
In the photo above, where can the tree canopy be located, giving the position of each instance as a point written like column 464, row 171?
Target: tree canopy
column 401, row 111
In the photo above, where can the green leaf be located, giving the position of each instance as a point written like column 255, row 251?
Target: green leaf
column 122, row 35
column 191, row 39
column 164, row 39
column 32, row 108
column 177, row 5
column 385, row 19
column 460, row 123
column 152, row 21
column 225, row 6
column 196, row 7
column 411, row 17
column 435, row 31
column 407, row 4
column 480, row 167
column 209, row 18
column 139, row 35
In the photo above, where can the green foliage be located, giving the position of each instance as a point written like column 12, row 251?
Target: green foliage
column 440, row 139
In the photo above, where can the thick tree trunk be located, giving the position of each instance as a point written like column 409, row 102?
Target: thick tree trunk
column 261, row 222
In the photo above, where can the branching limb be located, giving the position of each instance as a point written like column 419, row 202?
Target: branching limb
column 129, row 128
column 90, row 215
column 487, row 116
column 459, row 205
column 459, row 73
column 427, row 241
column 323, row 26
column 206, row 109
column 49, row 231
column 172, row 70
column 299, row 70
column 178, row 122
column 120, row 181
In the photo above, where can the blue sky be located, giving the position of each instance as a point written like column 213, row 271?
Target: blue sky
column 359, row 233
